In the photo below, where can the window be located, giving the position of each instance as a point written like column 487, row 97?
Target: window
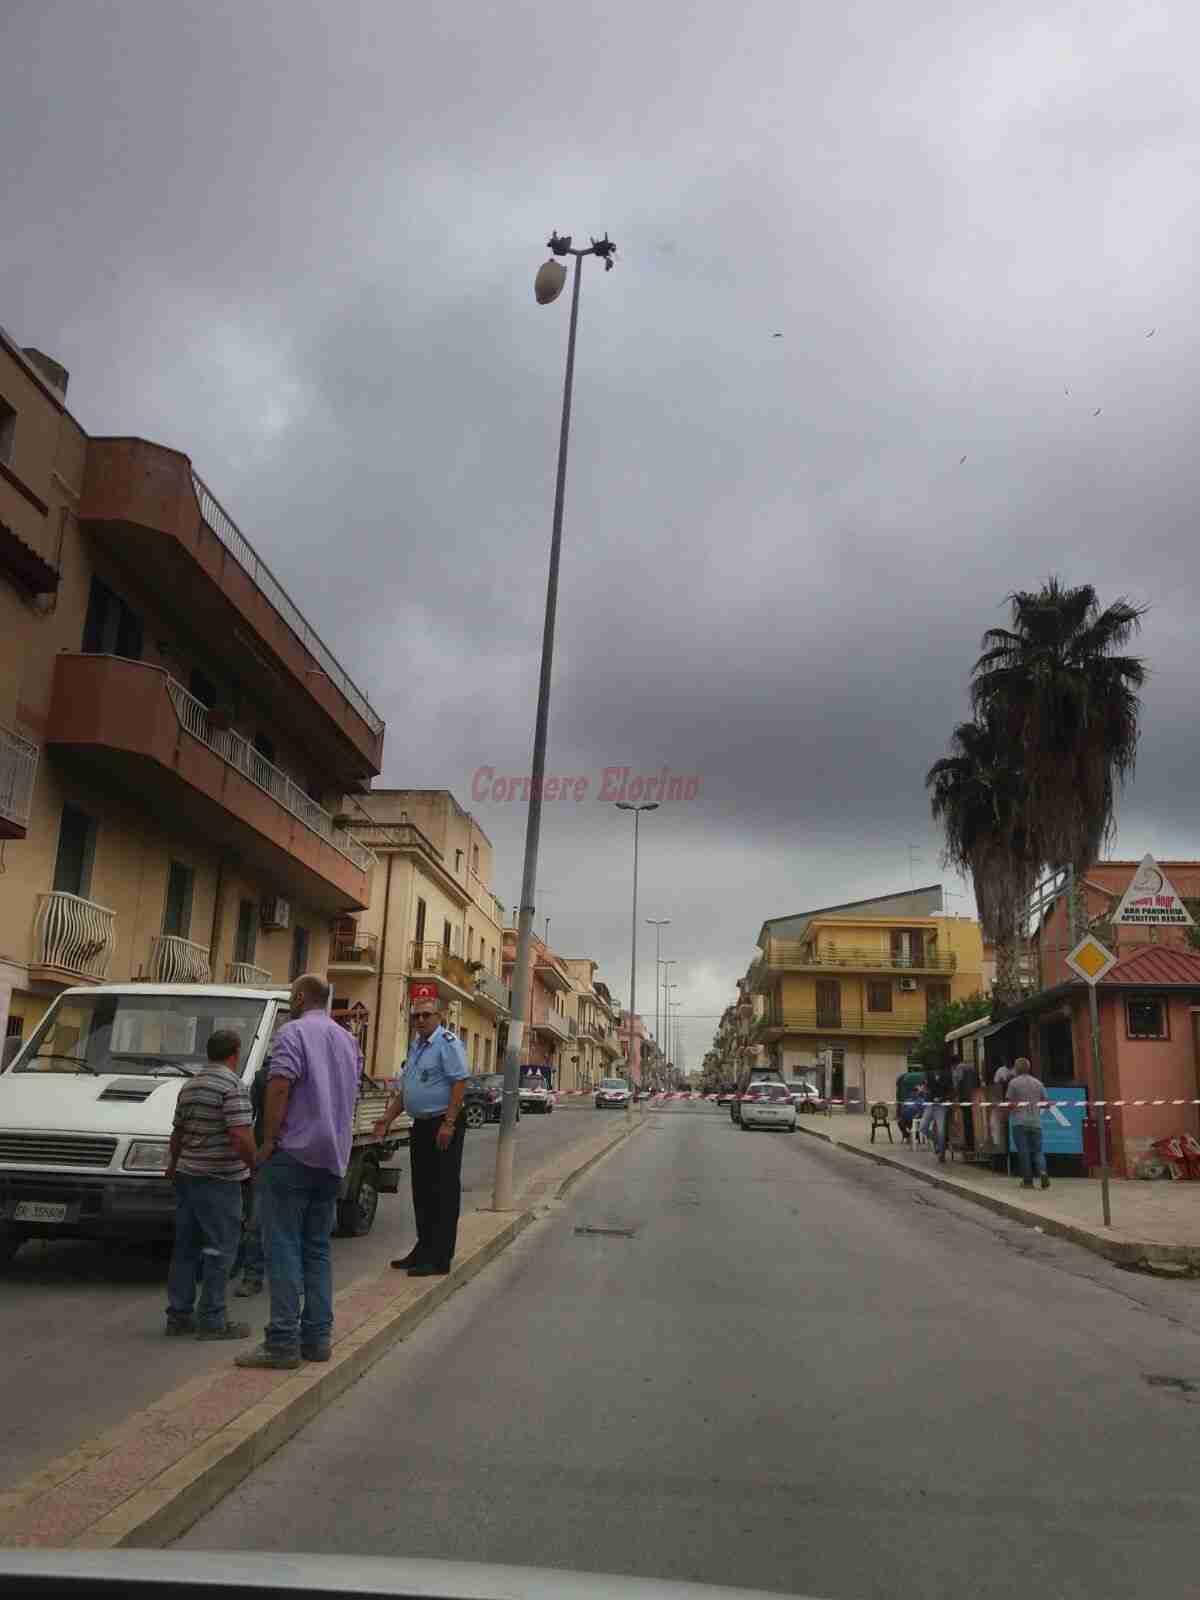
column 111, row 627
column 879, row 994
column 829, row 1003
column 203, row 688
column 420, row 933
column 487, row 1055
column 76, row 852
column 447, row 935
column 8, row 431
column 265, row 746
column 475, row 1052
column 937, row 995
column 299, row 953
column 246, row 943
column 177, row 912
column 475, row 859
column 1146, row 1017
column 458, row 855
column 470, row 944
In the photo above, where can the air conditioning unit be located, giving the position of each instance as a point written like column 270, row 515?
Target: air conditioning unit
column 908, row 986
column 276, row 913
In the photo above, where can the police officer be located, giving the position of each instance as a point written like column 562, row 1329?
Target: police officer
column 431, row 1090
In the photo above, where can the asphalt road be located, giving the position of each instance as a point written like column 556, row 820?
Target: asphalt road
column 81, row 1326
column 751, row 1359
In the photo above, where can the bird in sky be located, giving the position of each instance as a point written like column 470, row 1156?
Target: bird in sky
column 1066, row 391
column 961, row 459
column 1152, row 332
column 777, row 336
column 1097, row 411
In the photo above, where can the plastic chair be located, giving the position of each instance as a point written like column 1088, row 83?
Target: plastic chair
column 880, row 1118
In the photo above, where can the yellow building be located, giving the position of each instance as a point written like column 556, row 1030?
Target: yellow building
column 432, row 917
column 593, row 1046
column 174, row 737
column 852, row 985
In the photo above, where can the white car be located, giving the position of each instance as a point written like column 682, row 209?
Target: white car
column 612, row 1094
column 535, row 1094
column 768, row 1105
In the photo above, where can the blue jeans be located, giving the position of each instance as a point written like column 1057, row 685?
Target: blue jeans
column 933, row 1125
column 1029, row 1151
column 208, row 1219
column 297, row 1206
column 251, row 1262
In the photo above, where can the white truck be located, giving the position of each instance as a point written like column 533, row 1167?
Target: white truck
column 88, row 1102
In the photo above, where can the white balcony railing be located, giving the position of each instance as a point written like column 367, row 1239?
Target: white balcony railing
column 18, row 769
column 74, row 935
column 246, row 972
column 553, row 1023
column 176, row 960
column 244, row 553
column 194, row 715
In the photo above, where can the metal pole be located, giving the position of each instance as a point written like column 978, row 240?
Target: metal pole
column 637, row 817
column 502, row 1195
column 1098, row 1066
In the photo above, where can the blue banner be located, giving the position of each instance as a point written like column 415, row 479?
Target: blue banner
column 1062, row 1120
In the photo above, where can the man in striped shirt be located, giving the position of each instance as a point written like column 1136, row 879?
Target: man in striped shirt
column 212, row 1153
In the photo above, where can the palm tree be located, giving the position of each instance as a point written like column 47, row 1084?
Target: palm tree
column 1062, row 698
column 977, row 797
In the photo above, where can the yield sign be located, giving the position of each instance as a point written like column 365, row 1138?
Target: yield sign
column 1151, row 900
column 1091, row 959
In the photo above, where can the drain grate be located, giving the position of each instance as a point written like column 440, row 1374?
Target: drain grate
column 610, row 1233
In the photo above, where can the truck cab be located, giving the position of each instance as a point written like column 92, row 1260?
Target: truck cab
column 88, row 1103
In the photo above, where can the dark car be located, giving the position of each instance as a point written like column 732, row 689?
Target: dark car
column 483, row 1099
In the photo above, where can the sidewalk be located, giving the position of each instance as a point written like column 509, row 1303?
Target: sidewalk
column 1152, row 1222
column 146, row 1481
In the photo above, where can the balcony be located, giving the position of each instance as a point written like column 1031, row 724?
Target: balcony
column 849, row 1020
column 176, row 960
column 353, row 952
column 74, row 939
column 138, row 727
column 552, row 976
column 145, row 504
column 246, row 972
column 795, row 955
column 554, row 1026
column 435, row 960
column 18, row 773
column 494, row 990
column 572, row 1028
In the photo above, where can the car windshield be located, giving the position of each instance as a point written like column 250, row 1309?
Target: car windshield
column 612, row 1083
column 773, row 1091
column 138, row 1034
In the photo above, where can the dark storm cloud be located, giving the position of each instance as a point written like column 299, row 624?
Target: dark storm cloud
column 297, row 242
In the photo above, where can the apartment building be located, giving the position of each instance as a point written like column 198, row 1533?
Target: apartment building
column 633, row 1034
column 550, row 1034
column 432, row 919
column 595, row 1045
column 174, row 735
column 853, row 984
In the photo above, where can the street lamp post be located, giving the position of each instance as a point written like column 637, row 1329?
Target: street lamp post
column 667, row 1004
column 626, row 805
column 663, row 979
column 547, row 287
column 658, row 924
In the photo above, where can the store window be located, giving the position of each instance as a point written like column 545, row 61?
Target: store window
column 1146, row 1017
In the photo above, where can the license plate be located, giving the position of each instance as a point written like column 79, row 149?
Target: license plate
column 40, row 1211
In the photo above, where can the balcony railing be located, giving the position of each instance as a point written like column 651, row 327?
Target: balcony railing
column 572, row 1028
column 552, row 1023
column 428, row 956
column 176, row 960
column 74, row 935
column 794, row 953
column 847, row 1020
column 246, row 972
column 195, row 716
column 244, row 553
column 18, row 770
column 491, row 988
column 354, row 949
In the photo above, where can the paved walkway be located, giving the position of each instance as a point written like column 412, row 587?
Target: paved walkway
column 1159, row 1221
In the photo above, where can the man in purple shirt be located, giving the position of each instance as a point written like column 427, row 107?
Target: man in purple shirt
column 308, row 1125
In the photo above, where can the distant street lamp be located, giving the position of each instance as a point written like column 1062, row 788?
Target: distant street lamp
column 658, row 924
column 547, row 287
column 625, row 805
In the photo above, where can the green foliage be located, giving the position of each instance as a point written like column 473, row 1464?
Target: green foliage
column 931, row 1043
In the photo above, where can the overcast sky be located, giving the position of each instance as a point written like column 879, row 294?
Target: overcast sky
column 296, row 240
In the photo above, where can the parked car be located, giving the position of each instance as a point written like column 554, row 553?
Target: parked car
column 769, row 1105
column 483, row 1099
column 612, row 1094
column 536, row 1094
column 758, row 1076
column 806, row 1097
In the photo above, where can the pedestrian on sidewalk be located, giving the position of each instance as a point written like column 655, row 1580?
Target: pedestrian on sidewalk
column 432, row 1086
column 1025, row 1095
column 999, row 1112
column 908, row 1085
column 941, row 1088
column 308, row 1126
column 251, row 1263
column 211, row 1154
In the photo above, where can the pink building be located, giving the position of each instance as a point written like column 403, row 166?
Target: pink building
column 634, row 1061
column 547, row 1028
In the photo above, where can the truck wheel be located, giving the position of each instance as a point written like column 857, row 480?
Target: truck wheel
column 475, row 1117
column 357, row 1207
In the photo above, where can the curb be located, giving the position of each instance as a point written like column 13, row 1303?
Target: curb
column 1124, row 1252
column 189, row 1482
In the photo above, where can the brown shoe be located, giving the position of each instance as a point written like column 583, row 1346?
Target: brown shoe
column 230, row 1330
column 275, row 1360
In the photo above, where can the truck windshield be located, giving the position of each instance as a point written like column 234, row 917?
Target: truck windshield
column 135, row 1033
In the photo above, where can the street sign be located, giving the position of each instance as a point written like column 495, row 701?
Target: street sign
column 1151, row 901
column 1091, row 959
column 421, row 989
